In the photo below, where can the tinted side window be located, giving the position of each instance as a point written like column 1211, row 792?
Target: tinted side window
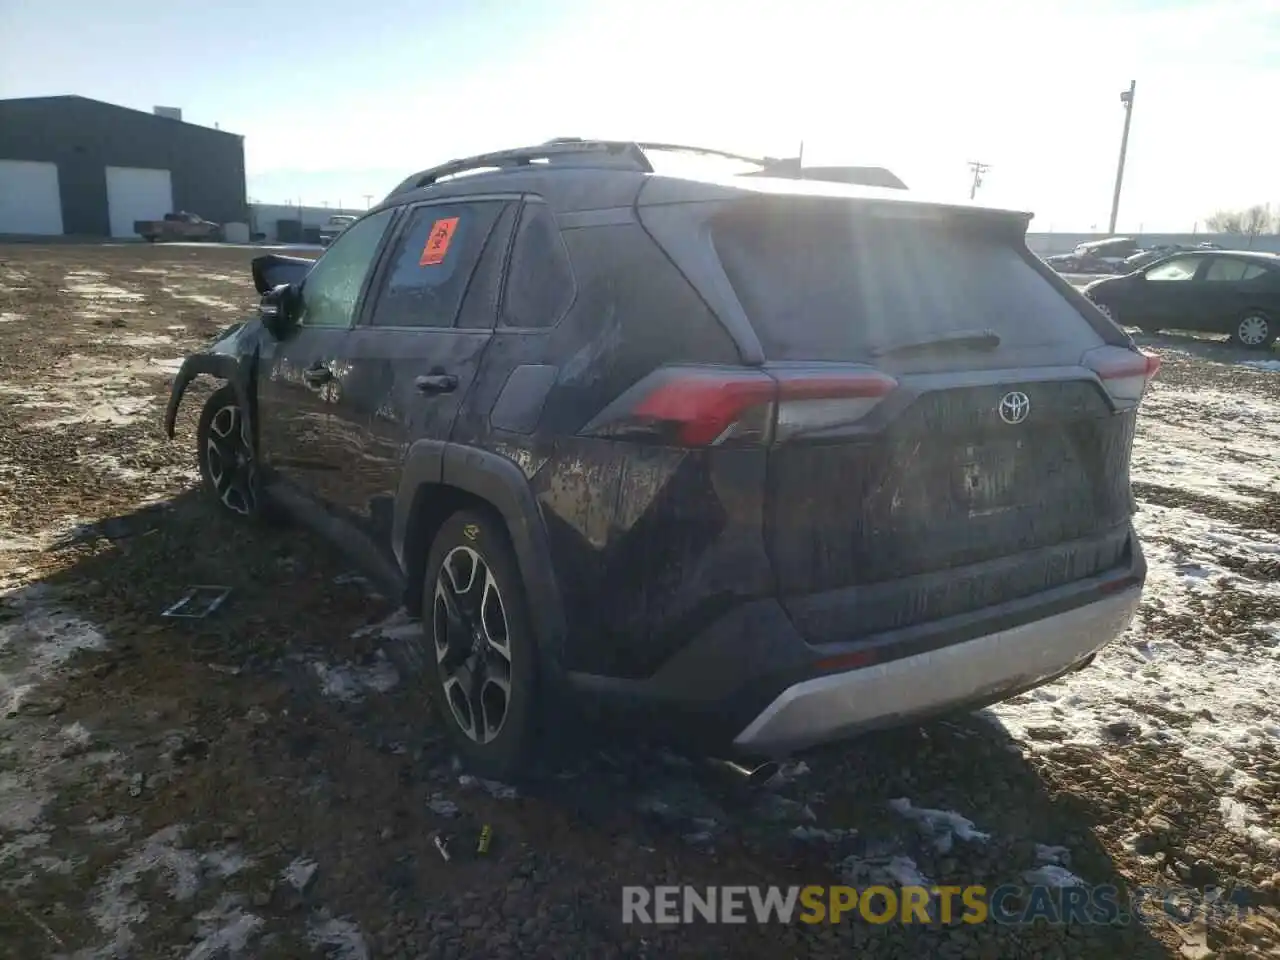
column 540, row 284
column 1181, row 268
column 480, row 305
column 1230, row 269
column 332, row 288
column 433, row 263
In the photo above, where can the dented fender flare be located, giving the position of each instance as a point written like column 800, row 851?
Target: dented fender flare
column 224, row 367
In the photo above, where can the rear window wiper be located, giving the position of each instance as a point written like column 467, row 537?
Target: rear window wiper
column 963, row 339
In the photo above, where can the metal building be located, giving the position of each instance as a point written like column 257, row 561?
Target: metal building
column 71, row 165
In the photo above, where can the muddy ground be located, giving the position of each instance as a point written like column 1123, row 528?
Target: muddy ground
column 269, row 782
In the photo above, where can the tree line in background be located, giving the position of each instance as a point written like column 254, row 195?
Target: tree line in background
column 1250, row 222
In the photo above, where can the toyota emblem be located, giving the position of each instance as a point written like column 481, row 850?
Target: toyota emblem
column 1014, row 406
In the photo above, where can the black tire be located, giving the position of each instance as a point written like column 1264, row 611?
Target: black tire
column 509, row 752
column 1254, row 330
column 220, row 438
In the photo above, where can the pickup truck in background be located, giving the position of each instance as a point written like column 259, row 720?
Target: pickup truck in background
column 334, row 226
column 177, row 226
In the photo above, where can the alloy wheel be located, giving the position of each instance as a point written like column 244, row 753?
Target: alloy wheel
column 472, row 642
column 230, row 462
column 1253, row 330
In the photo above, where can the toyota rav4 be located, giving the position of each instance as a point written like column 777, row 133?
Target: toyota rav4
column 758, row 462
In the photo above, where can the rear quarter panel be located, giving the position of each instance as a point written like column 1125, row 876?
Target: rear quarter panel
column 647, row 542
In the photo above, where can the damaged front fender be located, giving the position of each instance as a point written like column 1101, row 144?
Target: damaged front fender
column 232, row 357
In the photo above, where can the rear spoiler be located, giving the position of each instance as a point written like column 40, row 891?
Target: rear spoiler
column 858, row 176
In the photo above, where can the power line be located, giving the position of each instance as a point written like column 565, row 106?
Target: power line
column 978, row 170
column 1126, row 97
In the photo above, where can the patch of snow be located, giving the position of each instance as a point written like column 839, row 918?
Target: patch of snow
column 224, row 930
column 941, row 826
column 1173, row 448
column 495, row 789
column 1243, row 822
column 7, row 316
column 36, row 643
column 88, row 284
column 215, row 303
column 891, row 870
column 1046, row 854
column 350, row 683
column 299, row 873
column 398, row 626
column 142, row 339
column 1052, row 875
column 117, row 907
column 340, row 939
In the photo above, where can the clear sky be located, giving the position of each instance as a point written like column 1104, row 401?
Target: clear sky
column 341, row 99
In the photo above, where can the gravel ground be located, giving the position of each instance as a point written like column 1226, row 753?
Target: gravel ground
column 270, row 782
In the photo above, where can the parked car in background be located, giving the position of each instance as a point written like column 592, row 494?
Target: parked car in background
column 1113, row 250
column 758, row 463
column 177, row 226
column 1078, row 263
column 1224, row 291
column 1149, row 256
column 334, row 226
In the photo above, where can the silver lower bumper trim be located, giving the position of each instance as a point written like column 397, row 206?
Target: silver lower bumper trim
column 835, row 706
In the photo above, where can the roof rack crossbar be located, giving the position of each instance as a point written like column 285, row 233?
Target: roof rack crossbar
column 596, row 153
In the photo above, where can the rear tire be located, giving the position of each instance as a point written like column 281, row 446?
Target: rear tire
column 478, row 631
column 1254, row 330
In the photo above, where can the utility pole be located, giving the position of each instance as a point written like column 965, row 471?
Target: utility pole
column 978, row 170
column 1126, row 98
column 368, row 198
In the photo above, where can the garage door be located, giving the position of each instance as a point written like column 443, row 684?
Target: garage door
column 29, row 200
column 136, row 193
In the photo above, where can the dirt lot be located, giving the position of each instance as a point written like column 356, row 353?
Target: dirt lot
column 269, row 782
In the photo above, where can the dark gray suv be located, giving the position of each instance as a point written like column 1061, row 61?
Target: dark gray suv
column 757, row 461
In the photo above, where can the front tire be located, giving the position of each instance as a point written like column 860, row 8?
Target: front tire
column 1254, row 330
column 476, row 621
column 228, row 466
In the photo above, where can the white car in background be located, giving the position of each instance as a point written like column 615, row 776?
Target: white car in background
column 334, row 226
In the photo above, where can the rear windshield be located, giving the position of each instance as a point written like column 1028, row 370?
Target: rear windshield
column 835, row 282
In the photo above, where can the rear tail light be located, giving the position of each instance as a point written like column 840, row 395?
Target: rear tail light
column 1124, row 373
column 711, row 406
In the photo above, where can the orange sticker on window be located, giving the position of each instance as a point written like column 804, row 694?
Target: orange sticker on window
column 437, row 244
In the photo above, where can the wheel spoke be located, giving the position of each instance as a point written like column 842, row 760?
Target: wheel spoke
column 493, row 618
column 495, row 695
column 457, row 695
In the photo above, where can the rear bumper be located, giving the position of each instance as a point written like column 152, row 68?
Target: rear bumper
column 750, row 685
column 983, row 670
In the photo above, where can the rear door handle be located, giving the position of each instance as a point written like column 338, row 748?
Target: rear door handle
column 318, row 375
column 434, row 383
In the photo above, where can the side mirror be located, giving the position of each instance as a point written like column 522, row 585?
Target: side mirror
column 279, row 309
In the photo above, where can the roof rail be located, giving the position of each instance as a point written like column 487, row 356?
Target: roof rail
column 607, row 154
column 630, row 155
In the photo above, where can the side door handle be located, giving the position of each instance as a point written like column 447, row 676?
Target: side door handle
column 435, row 383
column 318, row 375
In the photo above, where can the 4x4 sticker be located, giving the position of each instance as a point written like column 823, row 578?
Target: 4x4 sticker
column 471, row 531
column 437, row 245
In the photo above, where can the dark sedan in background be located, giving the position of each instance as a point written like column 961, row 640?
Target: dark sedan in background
column 1223, row 291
